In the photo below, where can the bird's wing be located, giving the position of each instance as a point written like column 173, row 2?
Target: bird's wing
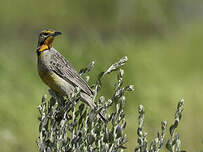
column 61, row 66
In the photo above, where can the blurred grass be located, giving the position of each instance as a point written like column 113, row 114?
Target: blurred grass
column 165, row 62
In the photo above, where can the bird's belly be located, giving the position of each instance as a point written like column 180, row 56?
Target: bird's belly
column 56, row 83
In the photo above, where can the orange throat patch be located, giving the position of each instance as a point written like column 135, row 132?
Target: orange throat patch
column 43, row 47
column 47, row 44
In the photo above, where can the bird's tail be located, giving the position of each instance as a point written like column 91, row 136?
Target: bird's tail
column 88, row 100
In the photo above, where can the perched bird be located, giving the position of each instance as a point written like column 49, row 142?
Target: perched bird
column 57, row 72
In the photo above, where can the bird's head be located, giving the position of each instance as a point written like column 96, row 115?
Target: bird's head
column 46, row 38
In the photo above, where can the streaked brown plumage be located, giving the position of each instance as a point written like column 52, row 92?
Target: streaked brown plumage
column 57, row 72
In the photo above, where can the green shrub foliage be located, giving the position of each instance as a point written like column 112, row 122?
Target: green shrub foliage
column 67, row 125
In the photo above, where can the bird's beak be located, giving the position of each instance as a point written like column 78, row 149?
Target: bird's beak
column 55, row 34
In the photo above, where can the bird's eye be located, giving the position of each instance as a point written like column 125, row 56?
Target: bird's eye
column 45, row 34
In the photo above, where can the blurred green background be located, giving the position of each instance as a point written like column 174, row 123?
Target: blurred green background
column 162, row 39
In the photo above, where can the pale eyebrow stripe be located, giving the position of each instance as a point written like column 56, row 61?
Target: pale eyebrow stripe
column 48, row 31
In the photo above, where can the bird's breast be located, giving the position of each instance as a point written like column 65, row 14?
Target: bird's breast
column 56, row 83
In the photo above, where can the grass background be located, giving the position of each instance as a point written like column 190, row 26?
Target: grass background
column 162, row 39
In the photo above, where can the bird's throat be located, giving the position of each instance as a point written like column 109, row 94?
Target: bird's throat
column 43, row 48
column 47, row 44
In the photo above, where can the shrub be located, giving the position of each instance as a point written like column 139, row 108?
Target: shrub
column 67, row 125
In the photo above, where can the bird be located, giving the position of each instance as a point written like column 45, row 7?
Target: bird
column 58, row 73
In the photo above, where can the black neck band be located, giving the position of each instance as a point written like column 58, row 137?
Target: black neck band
column 39, row 52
